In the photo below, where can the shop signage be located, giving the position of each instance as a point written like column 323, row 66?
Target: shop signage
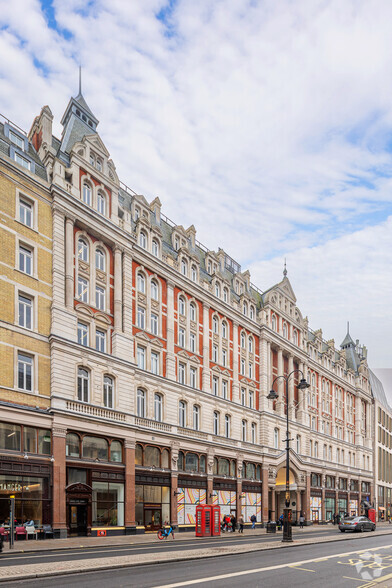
column 101, row 533
column 10, row 487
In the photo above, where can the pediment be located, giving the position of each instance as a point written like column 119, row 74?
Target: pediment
column 97, row 144
column 215, row 368
column 141, row 335
column 83, row 309
column 156, row 342
column 183, row 353
column 287, row 289
column 99, row 316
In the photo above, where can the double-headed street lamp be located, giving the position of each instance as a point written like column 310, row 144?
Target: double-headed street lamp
column 287, row 533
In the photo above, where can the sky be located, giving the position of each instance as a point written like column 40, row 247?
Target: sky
column 267, row 124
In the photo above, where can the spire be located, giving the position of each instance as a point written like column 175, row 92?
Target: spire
column 285, row 269
column 347, row 342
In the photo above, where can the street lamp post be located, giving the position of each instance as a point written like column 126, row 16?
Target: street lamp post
column 287, row 513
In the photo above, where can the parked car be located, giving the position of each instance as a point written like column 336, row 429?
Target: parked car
column 356, row 524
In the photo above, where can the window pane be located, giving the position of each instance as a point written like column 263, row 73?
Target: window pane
column 10, row 436
column 116, row 451
column 95, row 448
column 30, row 439
column 152, row 456
column 44, row 442
column 72, row 445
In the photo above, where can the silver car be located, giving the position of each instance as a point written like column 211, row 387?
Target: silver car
column 356, row 524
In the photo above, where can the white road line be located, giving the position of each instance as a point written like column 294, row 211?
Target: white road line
column 269, row 568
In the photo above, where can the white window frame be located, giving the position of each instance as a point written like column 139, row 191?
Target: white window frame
column 158, row 407
column 101, row 203
column 100, row 298
column 86, row 193
column 182, row 413
column 141, row 403
column 100, row 340
column 141, row 317
column 108, row 391
column 181, row 337
column 155, row 362
column 193, row 377
column 100, row 260
column 154, row 323
column 83, row 384
column 196, row 417
column 26, row 259
column 83, row 334
column 182, row 373
column 26, row 362
column 215, row 385
column 26, row 212
column 141, row 357
column 25, row 311
column 83, row 290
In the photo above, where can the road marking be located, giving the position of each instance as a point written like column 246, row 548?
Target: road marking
column 270, row 568
column 303, row 569
column 350, row 578
column 376, row 581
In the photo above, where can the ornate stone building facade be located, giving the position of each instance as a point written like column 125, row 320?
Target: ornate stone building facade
column 162, row 356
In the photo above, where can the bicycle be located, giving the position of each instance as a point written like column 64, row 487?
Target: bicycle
column 164, row 533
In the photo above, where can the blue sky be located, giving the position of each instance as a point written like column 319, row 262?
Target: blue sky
column 267, row 125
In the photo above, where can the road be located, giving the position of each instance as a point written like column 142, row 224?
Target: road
column 350, row 563
column 10, row 559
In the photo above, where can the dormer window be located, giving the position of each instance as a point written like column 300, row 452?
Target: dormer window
column 209, row 267
column 155, row 248
column 252, row 313
column 22, row 161
column 143, row 240
column 137, row 213
column 99, row 165
column 225, row 295
column 194, row 273
column 217, row 290
column 184, row 267
column 16, row 139
column 92, row 159
column 176, row 243
column 245, row 309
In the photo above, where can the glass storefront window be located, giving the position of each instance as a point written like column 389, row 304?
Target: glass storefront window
column 44, row 442
column 72, row 445
column 191, row 462
column 108, row 504
column 95, row 448
column 30, row 439
column 31, row 499
column 10, row 436
column 152, row 494
column 116, row 451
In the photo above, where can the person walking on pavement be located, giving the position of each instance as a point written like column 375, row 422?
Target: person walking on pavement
column 253, row 520
column 241, row 523
column 233, row 522
column 301, row 521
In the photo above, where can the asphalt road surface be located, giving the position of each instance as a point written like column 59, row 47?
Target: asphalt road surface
column 10, row 559
column 351, row 563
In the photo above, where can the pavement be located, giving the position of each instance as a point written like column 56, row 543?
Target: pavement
column 31, row 570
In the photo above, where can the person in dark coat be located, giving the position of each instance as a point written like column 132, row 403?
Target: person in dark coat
column 233, row 522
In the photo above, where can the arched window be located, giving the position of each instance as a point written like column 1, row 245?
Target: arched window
column 295, row 337
column 141, row 283
column 141, row 403
column 83, row 385
column 158, row 407
column 139, row 454
column 100, row 260
column 101, row 203
column 95, row 448
column 181, row 305
column 276, row 438
column 225, row 295
column 196, row 417
column 176, row 243
column 217, row 290
column 194, row 273
column 83, row 250
column 253, row 433
column 243, row 430
column 298, row 440
column 184, row 267
column 224, row 330
column 143, row 240
column 252, row 313
column 155, row 248
column 72, row 447
column 182, row 413
column 227, row 425
column 313, row 381
column 216, row 423
column 87, row 193
column 245, row 309
column 152, row 456
column 154, row 290
column 116, row 451
column 192, row 311
column 165, row 458
column 215, row 325
column 285, row 330
column 108, row 390
column 191, row 462
column 250, row 471
column 273, row 323
column 250, row 345
column 243, row 340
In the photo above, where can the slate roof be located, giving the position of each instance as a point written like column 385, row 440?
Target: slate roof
column 378, row 390
column 31, row 154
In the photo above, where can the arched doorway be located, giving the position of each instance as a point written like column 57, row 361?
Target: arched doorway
column 78, row 509
column 280, row 488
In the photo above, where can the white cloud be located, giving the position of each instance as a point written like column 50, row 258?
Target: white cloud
column 267, row 123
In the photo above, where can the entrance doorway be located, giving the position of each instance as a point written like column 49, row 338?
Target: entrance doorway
column 153, row 518
column 77, row 517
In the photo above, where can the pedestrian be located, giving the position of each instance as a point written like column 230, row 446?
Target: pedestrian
column 233, row 522
column 338, row 519
column 334, row 519
column 301, row 521
column 281, row 521
column 241, row 524
column 253, row 520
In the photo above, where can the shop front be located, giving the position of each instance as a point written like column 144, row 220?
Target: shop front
column 330, row 505
column 353, row 505
column 30, row 484
column 251, row 501
column 342, row 504
column 188, row 497
column 315, row 506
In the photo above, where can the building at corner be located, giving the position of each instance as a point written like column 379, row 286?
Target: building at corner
column 162, row 354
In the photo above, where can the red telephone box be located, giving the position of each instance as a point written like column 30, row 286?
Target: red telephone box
column 371, row 514
column 207, row 520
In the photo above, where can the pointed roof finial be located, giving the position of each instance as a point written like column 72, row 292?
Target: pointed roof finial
column 80, row 80
column 285, row 269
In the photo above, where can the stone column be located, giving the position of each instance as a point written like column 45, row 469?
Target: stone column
column 236, row 385
column 323, row 517
column 170, row 357
column 210, row 489
column 59, row 482
column 264, row 495
column 291, row 407
column 298, row 504
column 206, row 374
column 118, row 326
column 240, row 500
column 280, row 385
column 307, row 499
column 173, row 498
column 130, row 517
column 273, row 505
column 69, row 263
